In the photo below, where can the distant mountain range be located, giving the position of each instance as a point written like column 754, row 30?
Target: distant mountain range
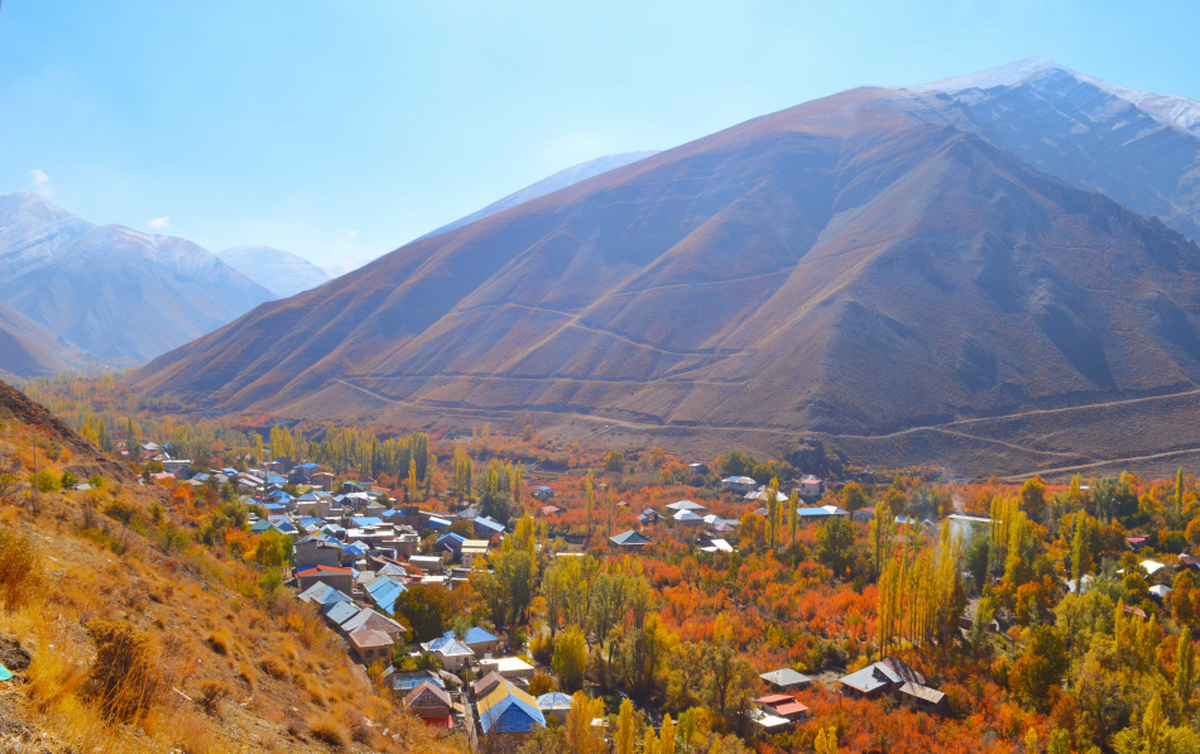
column 107, row 293
column 560, row 180
column 952, row 273
column 281, row 272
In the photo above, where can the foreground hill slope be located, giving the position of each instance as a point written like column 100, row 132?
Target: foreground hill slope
column 113, row 292
column 125, row 633
column 844, row 267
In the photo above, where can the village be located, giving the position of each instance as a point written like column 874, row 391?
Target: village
column 355, row 552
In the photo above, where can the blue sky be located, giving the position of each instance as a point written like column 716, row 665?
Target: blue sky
column 349, row 127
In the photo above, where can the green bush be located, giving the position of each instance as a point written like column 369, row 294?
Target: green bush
column 47, row 481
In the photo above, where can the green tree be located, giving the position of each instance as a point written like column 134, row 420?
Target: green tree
column 853, row 497
column 737, row 463
column 1081, row 556
column 1041, row 666
column 835, row 538
column 570, row 659
column 427, row 608
column 1033, row 498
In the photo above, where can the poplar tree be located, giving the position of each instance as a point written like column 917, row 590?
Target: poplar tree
column 1179, row 493
column 589, row 501
column 1185, row 669
column 666, row 737
column 412, row 480
column 625, row 728
column 773, row 511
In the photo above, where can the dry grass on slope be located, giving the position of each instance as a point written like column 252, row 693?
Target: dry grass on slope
column 120, row 645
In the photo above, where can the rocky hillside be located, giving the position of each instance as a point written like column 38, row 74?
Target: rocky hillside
column 126, row 633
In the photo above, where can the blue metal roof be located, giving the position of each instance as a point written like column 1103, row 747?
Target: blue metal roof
column 439, row 523
column 512, row 715
column 384, row 592
column 367, row 521
column 340, row 612
column 488, row 523
column 323, row 594
column 449, row 646
column 475, row 635
column 408, row 684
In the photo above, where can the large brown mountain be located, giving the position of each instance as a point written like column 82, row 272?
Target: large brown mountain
column 841, row 267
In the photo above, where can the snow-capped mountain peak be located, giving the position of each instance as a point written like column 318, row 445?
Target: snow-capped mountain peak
column 1180, row 112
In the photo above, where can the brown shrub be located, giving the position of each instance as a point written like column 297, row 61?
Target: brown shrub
column 328, row 729
column 20, row 569
column 212, row 691
column 220, row 642
column 124, row 678
column 273, row 668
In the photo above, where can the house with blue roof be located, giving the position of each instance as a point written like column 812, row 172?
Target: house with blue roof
column 384, row 591
column 339, row 612
column 487, row 527
column 451, row 653
column 364, row 521
column 509, row 712
column 822, row 513
column 405, row 681
column 478, row 640
column 451, row 541
column 324, row 595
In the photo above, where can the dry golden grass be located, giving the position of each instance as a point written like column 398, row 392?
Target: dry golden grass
column 176, row 632
column 329, row 730
column 220, row 642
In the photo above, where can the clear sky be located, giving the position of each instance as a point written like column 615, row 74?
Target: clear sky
column 348, row 127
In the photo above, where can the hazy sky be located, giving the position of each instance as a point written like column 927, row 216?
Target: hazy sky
column 345, row 127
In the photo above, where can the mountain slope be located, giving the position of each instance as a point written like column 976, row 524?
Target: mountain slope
column 1138, row 148
column 113, row 292
column 30, row 350
column 844, row 266
column 560, row 180
column 281, row 272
